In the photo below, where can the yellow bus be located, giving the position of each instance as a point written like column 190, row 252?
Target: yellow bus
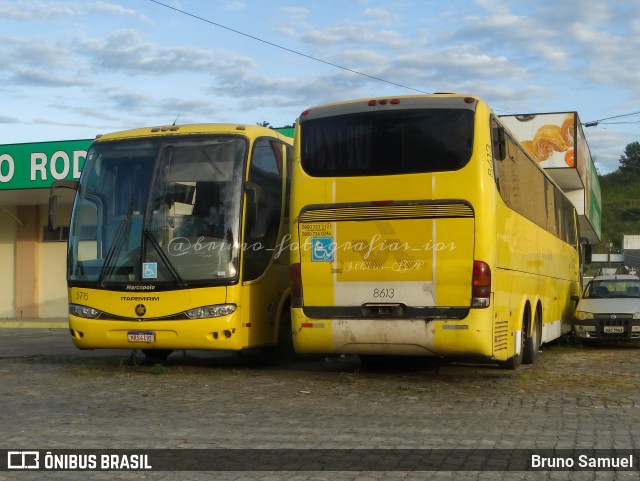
column 420, row 227
column 172, row 240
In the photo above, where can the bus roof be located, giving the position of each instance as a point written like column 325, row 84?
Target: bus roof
column 442, row 101
column 190, row 129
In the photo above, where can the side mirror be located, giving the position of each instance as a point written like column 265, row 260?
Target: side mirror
column 53, row 200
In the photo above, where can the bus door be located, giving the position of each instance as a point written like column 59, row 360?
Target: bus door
column 263, row 277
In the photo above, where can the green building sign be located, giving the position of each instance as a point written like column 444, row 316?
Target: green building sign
column 38, row 165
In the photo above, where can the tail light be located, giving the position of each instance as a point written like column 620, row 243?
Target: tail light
column 295, row 281
column 481, row 284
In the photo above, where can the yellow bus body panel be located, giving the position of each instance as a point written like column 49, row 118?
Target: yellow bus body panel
column 252, row 324
column 383, row 261
column 169, row 333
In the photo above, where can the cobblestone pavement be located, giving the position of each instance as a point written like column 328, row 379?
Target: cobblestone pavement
column 56, row 397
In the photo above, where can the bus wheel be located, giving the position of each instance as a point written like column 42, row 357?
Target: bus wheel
column 157, row 355
column 283, row 351
column 532, row 343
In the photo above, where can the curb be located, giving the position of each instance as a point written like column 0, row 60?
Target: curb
column 34, row 324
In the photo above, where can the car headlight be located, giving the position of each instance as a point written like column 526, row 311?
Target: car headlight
column 215, row 310
column 582, row 315
column 636, row 315
column 84, row 311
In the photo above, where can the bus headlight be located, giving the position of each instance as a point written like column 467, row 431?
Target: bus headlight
column 582, row 315
column 636, row 315
column 216, row 310
column 84, row 311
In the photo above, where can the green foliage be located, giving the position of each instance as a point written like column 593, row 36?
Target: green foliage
column 159, row 369
column 630, row 160
column 620, row 202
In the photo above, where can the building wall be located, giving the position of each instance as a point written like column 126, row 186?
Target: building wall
column 33, row 272
column 51, row 271
column 26, row 262
column 7, row 260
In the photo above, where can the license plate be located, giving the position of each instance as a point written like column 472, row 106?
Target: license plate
column 138, row 336
column 613, row 329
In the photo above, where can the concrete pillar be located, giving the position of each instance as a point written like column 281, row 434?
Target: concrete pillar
column 27, row 239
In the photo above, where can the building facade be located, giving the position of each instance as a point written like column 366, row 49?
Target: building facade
column 33, row 260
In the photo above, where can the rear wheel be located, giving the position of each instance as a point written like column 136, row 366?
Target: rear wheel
column 283, row 351
column 532, row 342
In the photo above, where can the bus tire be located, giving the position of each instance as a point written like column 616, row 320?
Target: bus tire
column 283, row 351
column 512, row 363
column 157, row 355
column 532, row 343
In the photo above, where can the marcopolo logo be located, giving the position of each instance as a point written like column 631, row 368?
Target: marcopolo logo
column 141, row 310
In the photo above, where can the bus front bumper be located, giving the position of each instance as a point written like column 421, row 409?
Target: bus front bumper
column 221, row 333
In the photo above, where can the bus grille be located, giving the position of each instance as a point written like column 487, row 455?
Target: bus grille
column 350, row 212
column 500, row 335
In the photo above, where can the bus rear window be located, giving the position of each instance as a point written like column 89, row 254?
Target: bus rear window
column 387, row 143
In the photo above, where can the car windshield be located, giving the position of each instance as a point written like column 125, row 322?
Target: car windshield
column 608, row 288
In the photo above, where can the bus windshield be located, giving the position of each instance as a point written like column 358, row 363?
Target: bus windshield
column 388, row 142
column 163, row 210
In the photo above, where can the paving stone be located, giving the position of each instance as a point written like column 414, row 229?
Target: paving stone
column 62, row 398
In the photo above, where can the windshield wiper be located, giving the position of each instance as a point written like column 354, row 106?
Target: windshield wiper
column 163, row 257
column 113, row 248
column 121, row 234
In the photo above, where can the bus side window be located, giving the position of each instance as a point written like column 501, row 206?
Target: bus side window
column 264, row 207
column 498, row 149
column 499, row 141
column 88, row 242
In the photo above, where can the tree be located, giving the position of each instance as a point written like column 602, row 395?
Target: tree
column 264, row 123
column 630, row 160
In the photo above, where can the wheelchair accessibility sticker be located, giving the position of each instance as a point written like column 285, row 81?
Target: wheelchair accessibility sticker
column 149, row 270
column 322, row 249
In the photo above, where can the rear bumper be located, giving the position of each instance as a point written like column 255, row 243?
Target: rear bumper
column 471, row 336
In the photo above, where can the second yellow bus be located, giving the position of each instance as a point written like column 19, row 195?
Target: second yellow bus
column 420, row 227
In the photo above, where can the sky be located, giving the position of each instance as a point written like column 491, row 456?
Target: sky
column 75, row 69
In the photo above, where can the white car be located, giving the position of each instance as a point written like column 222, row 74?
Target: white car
column 609, row 309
